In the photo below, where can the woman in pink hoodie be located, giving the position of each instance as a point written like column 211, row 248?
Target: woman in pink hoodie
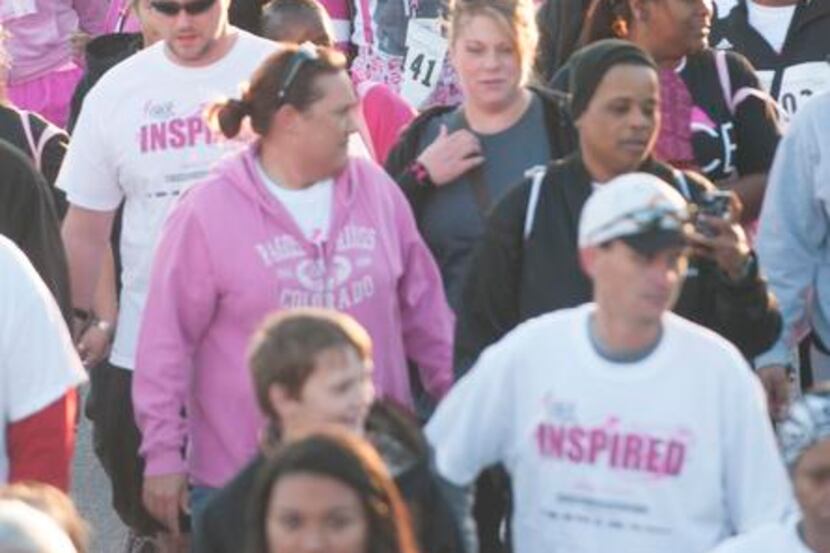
column 293, row 221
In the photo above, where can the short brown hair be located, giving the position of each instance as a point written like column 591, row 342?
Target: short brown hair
column 284, row 350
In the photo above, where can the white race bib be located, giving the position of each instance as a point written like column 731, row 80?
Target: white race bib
column 801, row 82
column 426, row 49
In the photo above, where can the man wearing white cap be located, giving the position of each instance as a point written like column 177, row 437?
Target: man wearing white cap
column 624, row 427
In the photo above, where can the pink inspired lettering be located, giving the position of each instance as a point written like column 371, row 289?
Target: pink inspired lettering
column 175, row 134
column 627, row 451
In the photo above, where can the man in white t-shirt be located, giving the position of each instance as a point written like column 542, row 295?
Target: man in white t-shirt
column 142, row 138
column 39, row 371
column 805, row 444
column 624, row 427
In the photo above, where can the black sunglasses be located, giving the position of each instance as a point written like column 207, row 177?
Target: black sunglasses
column 174, row 8
column 306, row 52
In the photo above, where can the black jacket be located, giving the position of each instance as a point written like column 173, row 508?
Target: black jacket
column 246, row 14
column 29, row 219
column 52, row 149
column 514, row 278
column 561, row 137
column 101, row 54
column 806, row 51
column 222, row 525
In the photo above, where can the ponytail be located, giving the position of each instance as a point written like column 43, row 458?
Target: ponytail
column 230, row 114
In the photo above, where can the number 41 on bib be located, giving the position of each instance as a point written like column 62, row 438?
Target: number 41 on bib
column 426, row 49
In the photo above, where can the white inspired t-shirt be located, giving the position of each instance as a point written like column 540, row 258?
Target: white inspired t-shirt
column 38, row 362
column 664, row 454
column 772, row 538
column 310, row 207
column 142, row 138
column 771, row 22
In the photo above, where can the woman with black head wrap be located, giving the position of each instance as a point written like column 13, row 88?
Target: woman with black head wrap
column 527, row 263
column 716, row 119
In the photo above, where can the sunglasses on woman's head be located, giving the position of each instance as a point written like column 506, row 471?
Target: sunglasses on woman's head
column 305, row 53
column 174, row 8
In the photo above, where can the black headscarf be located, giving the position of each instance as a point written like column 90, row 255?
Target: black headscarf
column 590, row 64
column 28, row 218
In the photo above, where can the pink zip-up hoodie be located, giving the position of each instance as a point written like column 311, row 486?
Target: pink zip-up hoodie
column 229, row 255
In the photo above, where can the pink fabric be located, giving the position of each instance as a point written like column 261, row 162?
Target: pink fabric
column 341, row 17
column 49, row 95
column 674, row 143
column 386, row 114
column 369, row 66
column 211, row 288
column 39, row 42
column 120, row 19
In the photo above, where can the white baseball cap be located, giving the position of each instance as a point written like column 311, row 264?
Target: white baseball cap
column 639, row 208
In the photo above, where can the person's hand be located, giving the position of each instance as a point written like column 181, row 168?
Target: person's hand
column 165, row 497
column 728, row 248
column 451, row 155
column 77, row 43
column 94, row 345
column 776, row 381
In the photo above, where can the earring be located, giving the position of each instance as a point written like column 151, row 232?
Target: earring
column 619, row 27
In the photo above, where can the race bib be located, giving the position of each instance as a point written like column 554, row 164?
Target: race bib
column 12, row 9
column 426, row 49
column 801, row 82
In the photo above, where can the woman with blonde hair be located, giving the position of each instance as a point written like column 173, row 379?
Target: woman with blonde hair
column 454, row 163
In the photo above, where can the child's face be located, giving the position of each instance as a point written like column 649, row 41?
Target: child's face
column 338, row 391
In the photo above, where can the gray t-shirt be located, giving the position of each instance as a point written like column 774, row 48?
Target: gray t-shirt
column 452, row 221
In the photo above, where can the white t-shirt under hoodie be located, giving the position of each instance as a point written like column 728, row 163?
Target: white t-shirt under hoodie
column 142, row 137
column 673, row 453
column 309, row 207
column 771, row 22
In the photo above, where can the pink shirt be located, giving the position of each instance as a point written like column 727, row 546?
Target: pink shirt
column 120, row 19
column 40, row 29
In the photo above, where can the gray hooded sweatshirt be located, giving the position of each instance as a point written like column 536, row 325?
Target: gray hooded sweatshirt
column 794, row 233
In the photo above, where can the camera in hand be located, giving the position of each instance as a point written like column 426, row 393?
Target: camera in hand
column 712, row 204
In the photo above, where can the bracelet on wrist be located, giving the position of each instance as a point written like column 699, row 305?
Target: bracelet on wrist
column 419, row 171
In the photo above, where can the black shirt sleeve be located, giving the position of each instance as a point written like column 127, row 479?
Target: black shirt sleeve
column 757, row 128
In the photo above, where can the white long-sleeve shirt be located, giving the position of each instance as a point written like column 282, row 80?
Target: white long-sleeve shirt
column 672, row 453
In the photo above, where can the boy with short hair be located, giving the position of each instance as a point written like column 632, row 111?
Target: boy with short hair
column 313, row 367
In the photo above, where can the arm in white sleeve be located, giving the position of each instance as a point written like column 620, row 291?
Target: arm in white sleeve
column 793, row 229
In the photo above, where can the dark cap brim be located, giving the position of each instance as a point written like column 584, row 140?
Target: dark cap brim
column 649, row 243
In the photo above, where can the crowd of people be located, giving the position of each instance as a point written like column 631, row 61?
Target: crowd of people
column 388, row 276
